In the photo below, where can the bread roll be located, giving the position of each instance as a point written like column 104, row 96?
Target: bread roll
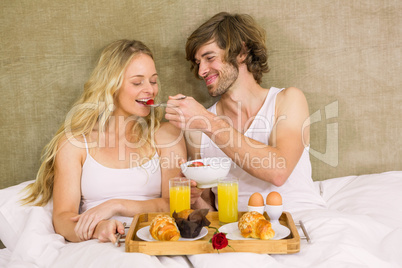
column 164, row 228
column 253, row 224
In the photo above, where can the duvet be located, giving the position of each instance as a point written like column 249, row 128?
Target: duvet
column 361, row 227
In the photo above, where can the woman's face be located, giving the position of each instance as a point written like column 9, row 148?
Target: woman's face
column 139, row 86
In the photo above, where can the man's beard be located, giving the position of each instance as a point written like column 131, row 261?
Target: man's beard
column 227, row 76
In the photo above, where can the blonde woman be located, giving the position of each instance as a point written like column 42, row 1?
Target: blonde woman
column 111, row 158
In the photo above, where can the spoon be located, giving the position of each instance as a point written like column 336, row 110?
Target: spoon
column 151, row 103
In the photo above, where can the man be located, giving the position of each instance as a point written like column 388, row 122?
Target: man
column 264, row 131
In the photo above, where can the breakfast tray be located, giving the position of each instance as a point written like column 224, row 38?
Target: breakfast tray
column 288, row 245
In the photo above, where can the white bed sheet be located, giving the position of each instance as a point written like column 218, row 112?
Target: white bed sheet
column 362, row 227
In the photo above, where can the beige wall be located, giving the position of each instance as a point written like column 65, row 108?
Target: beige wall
column 345, row 55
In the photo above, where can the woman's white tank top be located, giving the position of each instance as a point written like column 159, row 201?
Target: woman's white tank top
column 100, row 183
column 299, row 191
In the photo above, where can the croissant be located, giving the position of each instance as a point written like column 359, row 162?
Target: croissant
column 253, row 224
column 164, row 228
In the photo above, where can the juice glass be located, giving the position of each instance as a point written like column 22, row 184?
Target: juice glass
column 179, row 194
column 228, row 190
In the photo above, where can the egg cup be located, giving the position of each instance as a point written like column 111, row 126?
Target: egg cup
column 259, row 209
column 274, row 212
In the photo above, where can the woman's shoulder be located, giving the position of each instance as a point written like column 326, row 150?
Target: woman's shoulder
column 70, row 146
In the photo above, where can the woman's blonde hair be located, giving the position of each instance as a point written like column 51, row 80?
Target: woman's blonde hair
column 99, row 92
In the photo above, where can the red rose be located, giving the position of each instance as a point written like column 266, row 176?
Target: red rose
column 219, row 241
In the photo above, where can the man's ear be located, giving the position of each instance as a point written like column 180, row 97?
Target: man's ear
column 243, row 53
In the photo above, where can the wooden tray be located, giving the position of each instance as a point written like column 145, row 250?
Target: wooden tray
column 288, row 245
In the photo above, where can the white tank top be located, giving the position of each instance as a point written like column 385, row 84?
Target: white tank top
column 100, row 183
column 298, row 192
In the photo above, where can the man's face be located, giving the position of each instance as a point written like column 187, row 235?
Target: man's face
column 219, row 75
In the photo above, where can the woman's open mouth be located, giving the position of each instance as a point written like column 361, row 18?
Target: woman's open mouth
column 147, row 101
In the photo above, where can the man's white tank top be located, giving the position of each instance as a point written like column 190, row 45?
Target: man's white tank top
column 100, row 183
column 299, row 191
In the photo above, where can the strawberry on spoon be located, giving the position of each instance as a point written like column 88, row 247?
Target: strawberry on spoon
column 151, row 103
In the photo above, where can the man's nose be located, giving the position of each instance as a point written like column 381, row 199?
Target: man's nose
column 203, row 70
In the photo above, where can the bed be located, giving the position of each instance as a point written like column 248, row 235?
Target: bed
column 362, row 227
column 344, row 55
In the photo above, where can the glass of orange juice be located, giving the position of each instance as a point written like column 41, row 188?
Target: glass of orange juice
column 228, row 191
column 179, row 194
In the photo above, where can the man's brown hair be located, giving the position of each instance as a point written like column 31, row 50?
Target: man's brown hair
column 233, row 33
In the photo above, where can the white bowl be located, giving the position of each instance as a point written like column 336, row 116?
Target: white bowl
column 207, row 176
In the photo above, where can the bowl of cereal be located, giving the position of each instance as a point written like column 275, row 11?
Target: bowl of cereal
column 206, row 171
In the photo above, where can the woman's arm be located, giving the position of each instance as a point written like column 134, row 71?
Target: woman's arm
column 67, row 189
column 171, row 149
column 67, row 197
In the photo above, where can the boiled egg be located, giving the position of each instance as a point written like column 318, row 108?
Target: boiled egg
column 274, row 199
column 256, row 200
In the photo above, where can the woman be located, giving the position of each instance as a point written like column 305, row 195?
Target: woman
column 111, row 157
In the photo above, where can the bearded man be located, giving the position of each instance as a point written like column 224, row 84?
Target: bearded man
column 264, row 131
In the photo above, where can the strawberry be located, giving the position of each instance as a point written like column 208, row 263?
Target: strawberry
column 196, row 164
column 150, row 102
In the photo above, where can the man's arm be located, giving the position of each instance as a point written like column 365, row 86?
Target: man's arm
column 287, row 140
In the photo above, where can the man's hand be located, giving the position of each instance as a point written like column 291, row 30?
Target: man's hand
column 187, row 114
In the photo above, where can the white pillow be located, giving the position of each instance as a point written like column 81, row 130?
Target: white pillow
column 14, row 216
column 27, row 231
